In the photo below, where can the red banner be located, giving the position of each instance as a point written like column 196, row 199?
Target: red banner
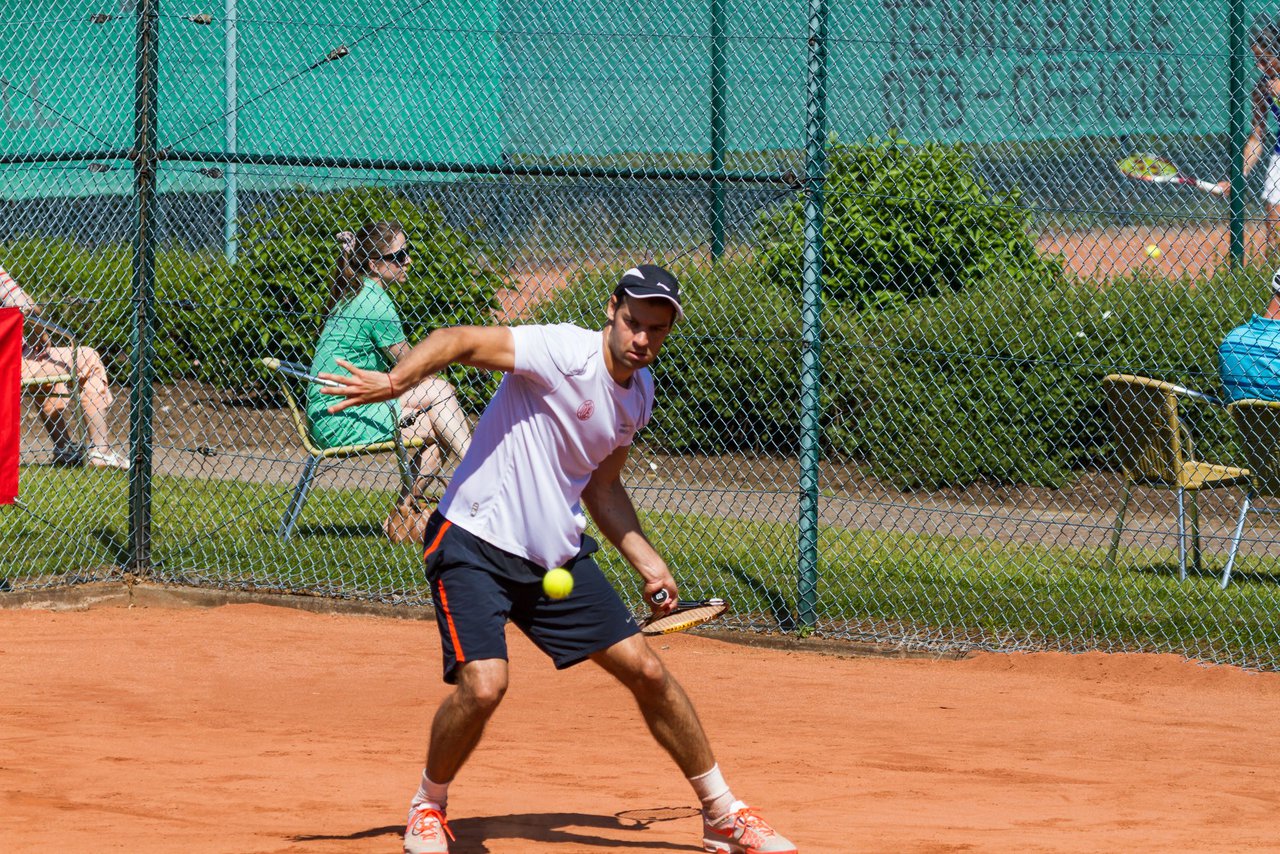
column 10, row 400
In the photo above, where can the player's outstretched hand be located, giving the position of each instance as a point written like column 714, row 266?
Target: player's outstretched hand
column 1224, row 188
column 358, row 387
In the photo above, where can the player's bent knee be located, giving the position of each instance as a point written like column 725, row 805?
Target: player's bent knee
column 647, row 674
column 484, row 699
column 482, row 687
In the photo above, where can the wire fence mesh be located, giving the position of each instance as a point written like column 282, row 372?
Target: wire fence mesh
column 911, row 440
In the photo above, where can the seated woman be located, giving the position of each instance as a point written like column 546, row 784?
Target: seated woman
column 41, row 360
column 364, row 328
column 1249, row 355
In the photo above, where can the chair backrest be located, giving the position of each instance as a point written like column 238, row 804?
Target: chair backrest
column 285, row 373
column 1144, row 422
column 53, row 329
column 1259, row 424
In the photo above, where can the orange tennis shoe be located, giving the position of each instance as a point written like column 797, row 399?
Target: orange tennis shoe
column 743, row 831
column 426, row 831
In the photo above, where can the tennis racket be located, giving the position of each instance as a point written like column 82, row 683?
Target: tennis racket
column 1157, row 170
column 685, row 616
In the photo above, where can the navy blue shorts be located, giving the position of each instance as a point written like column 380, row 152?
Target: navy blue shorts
column 477, row 588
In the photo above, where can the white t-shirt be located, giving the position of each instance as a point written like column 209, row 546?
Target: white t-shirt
column 551, row 423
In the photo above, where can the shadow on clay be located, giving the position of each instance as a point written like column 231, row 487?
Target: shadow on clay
column 552, row 828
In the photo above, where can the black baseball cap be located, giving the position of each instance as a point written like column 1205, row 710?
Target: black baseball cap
column 649, row 281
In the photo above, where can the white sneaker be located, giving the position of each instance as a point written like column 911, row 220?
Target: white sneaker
column 105, row 458
column 742, row 831
column 425, row 831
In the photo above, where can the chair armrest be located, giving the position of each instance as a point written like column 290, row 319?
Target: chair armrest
column 50, row 326
column 295, row 370
column 50, row 379
column 1196, row 395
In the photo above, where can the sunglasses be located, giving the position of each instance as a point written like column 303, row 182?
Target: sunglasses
column 400, row 256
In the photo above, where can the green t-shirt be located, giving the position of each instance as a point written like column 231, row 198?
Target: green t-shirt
column 359, row 330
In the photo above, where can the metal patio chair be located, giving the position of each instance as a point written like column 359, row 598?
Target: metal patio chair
column 69, row 378
column 289, row 372
column 1155, row 450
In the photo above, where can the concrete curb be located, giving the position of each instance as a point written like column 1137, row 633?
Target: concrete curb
column 135, row 594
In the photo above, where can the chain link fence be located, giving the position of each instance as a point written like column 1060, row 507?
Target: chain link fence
column 911, row 262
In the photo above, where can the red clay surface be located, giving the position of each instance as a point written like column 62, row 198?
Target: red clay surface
column 252, row 728
column 1193, row 251
column 1187, row 250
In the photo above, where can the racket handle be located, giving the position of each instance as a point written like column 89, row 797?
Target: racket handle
column 1208, row 187
column 659, row 597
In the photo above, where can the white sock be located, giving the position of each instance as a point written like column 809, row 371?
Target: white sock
column 432, row 793
column 713, row 791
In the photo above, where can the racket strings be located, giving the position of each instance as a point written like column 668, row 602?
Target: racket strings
column 1147, row 166
column 683, row 619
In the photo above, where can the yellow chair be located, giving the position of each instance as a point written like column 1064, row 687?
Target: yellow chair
column 316, row 454
column 1258, row 422
column 70, row 378
column 1155, row 449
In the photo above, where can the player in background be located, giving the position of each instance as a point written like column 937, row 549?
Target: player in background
column 554, row 437
column 1265, row 44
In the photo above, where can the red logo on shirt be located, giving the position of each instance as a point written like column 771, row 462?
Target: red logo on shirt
column 585, row 410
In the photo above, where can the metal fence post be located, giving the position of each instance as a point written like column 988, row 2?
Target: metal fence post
column 231, row 95
column 141, row 333
column 1239, row 124
column 811, row 313
column 719, row 82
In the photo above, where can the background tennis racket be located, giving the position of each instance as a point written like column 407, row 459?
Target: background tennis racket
column 1157, row 170
column 685, row 616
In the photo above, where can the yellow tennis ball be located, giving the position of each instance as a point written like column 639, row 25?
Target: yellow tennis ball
column 557, row 583
column 1153, row 251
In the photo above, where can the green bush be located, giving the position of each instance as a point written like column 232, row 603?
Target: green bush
column 89, row 290
column 277, row 299
column 213, row 321
column 1003, row 381
column 904, row 222
column 1000, row 382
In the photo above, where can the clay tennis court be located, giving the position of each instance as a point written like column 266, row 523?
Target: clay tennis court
column 255, row 728
column 1189, row 251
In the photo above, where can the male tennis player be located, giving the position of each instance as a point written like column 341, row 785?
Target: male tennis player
column 1265, row 44
column 554, row 437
